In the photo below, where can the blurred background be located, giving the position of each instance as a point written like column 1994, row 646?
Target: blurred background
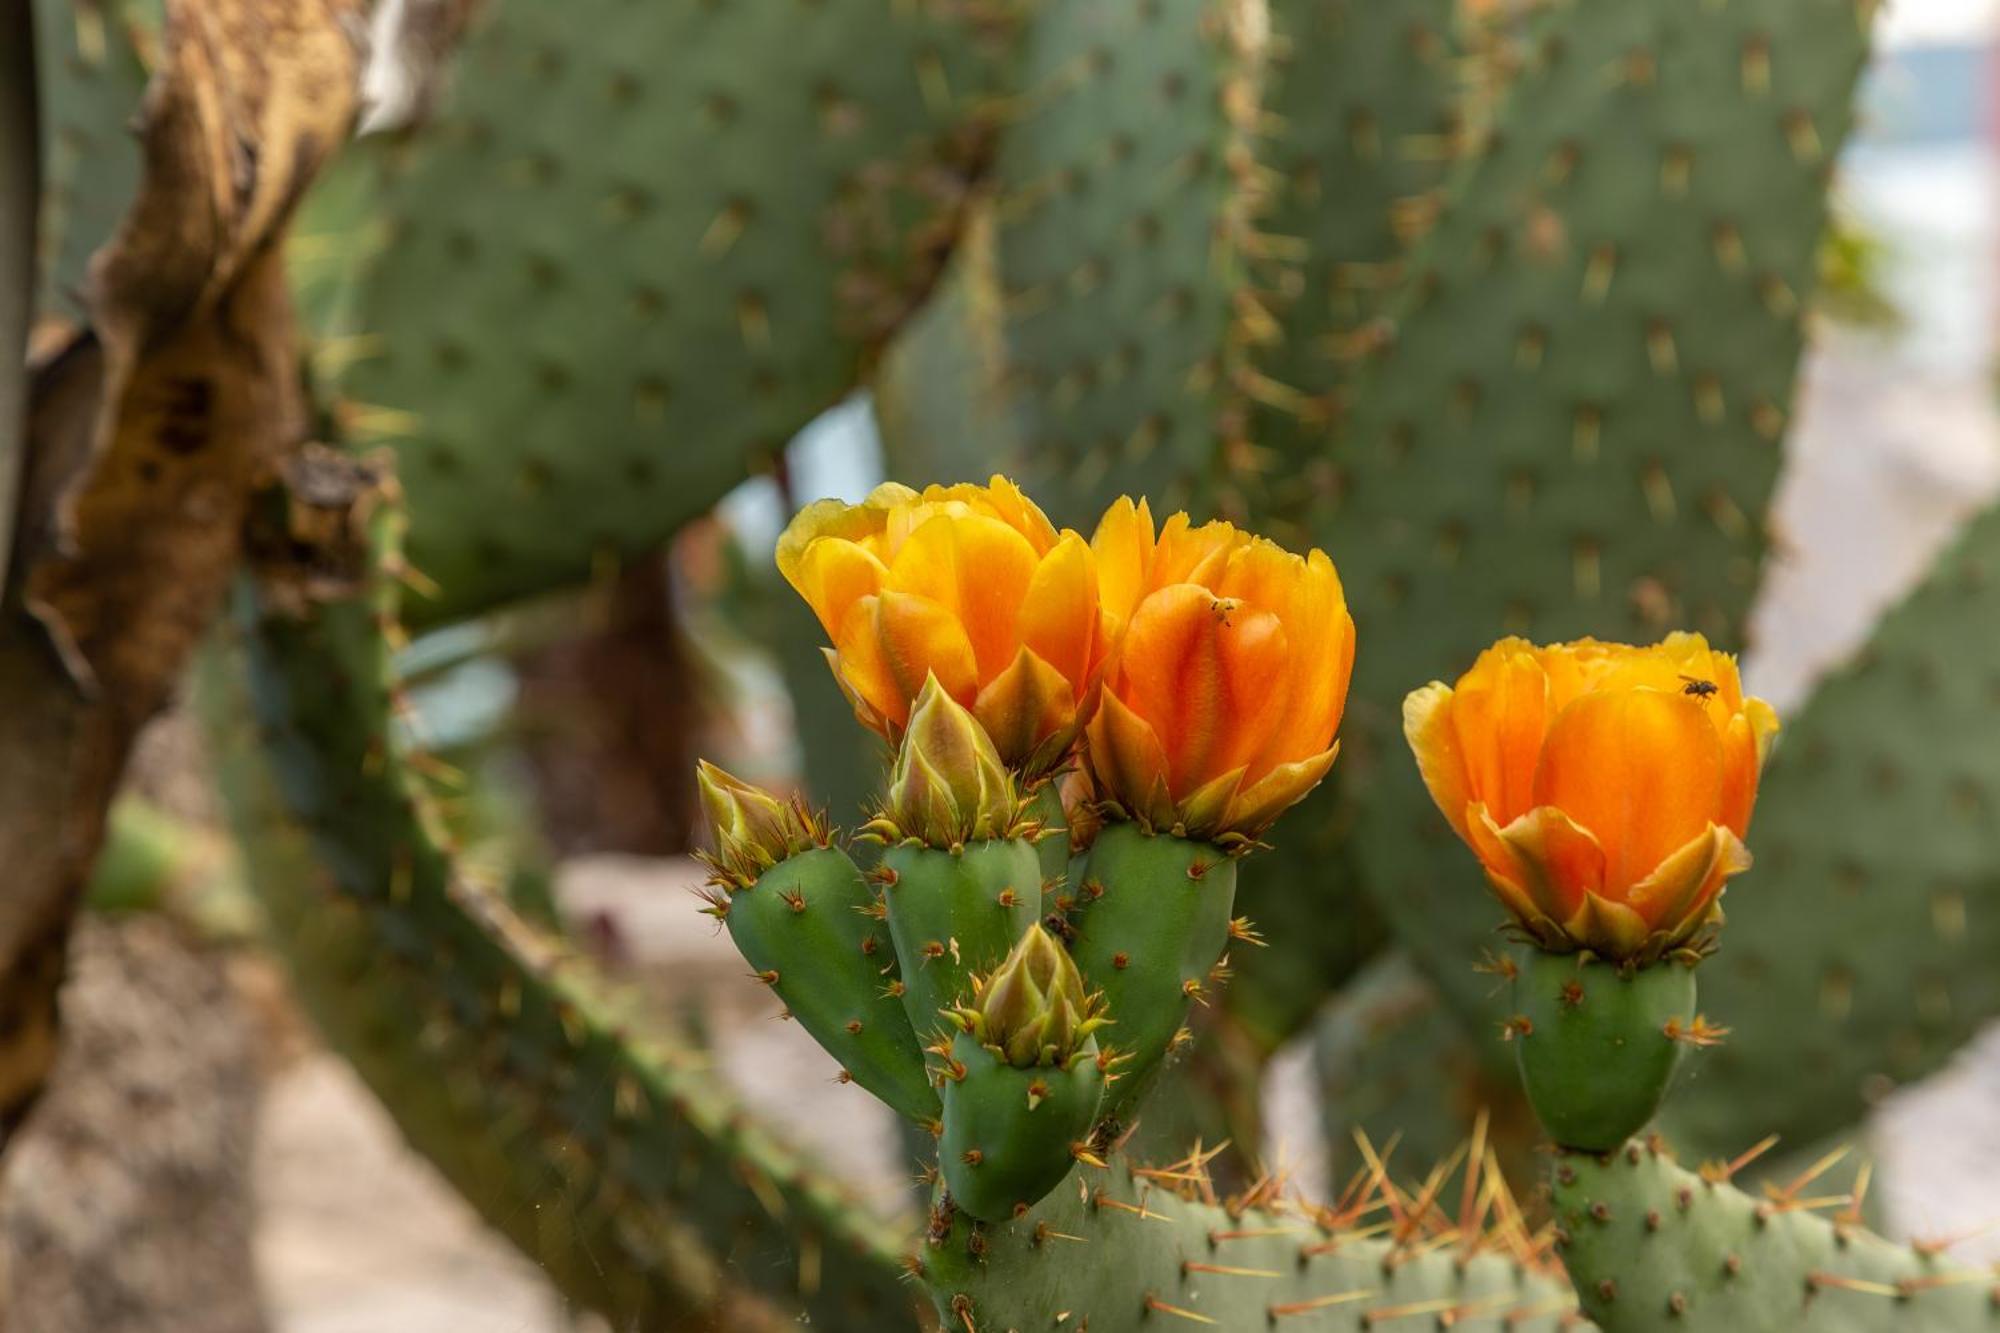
column 593, row 708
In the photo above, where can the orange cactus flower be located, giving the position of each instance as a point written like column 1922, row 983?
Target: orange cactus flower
column 1605, row 789
column 971, row 584
column 1228, row 677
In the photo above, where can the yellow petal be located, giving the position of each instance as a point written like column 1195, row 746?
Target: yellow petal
column 1187, row 554
column 836, row 518
column 1059, row 613
column 832, row 574
column 977, row 569
column 1607, row 928
column 1205, row 810
column 1427, row 725
column 891, row 643
column 1123, row 547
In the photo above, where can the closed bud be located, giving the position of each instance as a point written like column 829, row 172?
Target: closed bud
column 948, row 785
column 752, row 830
column 1033, row 1009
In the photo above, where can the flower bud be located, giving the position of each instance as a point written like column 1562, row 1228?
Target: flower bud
column 1033, row 1009
column 948, row 786
column 752, row 830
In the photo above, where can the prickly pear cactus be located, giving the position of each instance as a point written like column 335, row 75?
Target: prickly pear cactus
column 598, row 308
column 1653, row 1246
column 1571, row 424
column 1126, row 1248
column 639, row 1185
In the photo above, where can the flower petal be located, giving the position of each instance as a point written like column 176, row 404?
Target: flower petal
column 1028, row 709
column 1608, row 928
column 832, row 574
column 1059, row 614
column 836, row 518
column 1640, row 768
column 1427, row 725
column 890, row 643
column 1127, row 761
column 1501, row 712
column 1208, row 675
column 1675, row 898
column 1123, row 546
column 1557, row 862
column 976, row 568
column 1258, row 804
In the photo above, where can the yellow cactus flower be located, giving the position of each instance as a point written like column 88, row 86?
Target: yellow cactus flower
column 970, row 584
column 1606, row 789
column 1228, row 676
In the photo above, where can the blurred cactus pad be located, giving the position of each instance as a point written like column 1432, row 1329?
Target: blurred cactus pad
column 1499, row 303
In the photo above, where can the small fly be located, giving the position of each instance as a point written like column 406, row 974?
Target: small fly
column 1699, row 688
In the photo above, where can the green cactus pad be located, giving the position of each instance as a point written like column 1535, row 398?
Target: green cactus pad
column 1573, row 424
column 808, row 928
column 1651, row 1246
column 1120, row 203
column 91, row 81
column 1365, row 110
column 597, row 308
column 1008, row 1133
column 1597, row 1046
column 1151, row 919
column 1119, row 1250
column 599, row 1141
column 952, row 914
column 1860, row 948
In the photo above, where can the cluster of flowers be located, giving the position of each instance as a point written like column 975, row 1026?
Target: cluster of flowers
column 1200, row 672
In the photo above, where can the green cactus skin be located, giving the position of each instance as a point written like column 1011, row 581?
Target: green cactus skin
column 1597, row 1046
column 1368, row 110
column 91, row 81
column 1118, row 1253
column 1651, row 1246
column 600, row 1143
column 1859, row 950
column 809, row 929
column 1045, row 807
column 1008, row 1132
column 597, row 309
column 954, row 913
column 1151, row 920
column 1573, row 428
column 1120, row 203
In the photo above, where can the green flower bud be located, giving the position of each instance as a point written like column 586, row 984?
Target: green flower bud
column 1033, row 1009
column 752, row 829
column 948, row 785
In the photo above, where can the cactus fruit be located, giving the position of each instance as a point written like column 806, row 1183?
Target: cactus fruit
column 617, row 1161
column 691, row 242
column 1022, row 1080
column 1126, row 1248
column 811, row 929
column 1598, row 1044
column 1152, row 916
column 1652, row 1246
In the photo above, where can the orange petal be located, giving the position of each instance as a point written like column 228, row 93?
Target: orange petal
column 1030, row 712
column 976, row 568
column 1305, row 594
column 1640, row 768
column 1059, row 612
column 1676, row 895
column 832, row 574
column 1208, row 675
column 1127, row 761
column 1433, row 739
column 1258, row 804
column 890, row 643
column 1187, row 554
column 1123, row 547
column 1501, row 711
column 1556, row 862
